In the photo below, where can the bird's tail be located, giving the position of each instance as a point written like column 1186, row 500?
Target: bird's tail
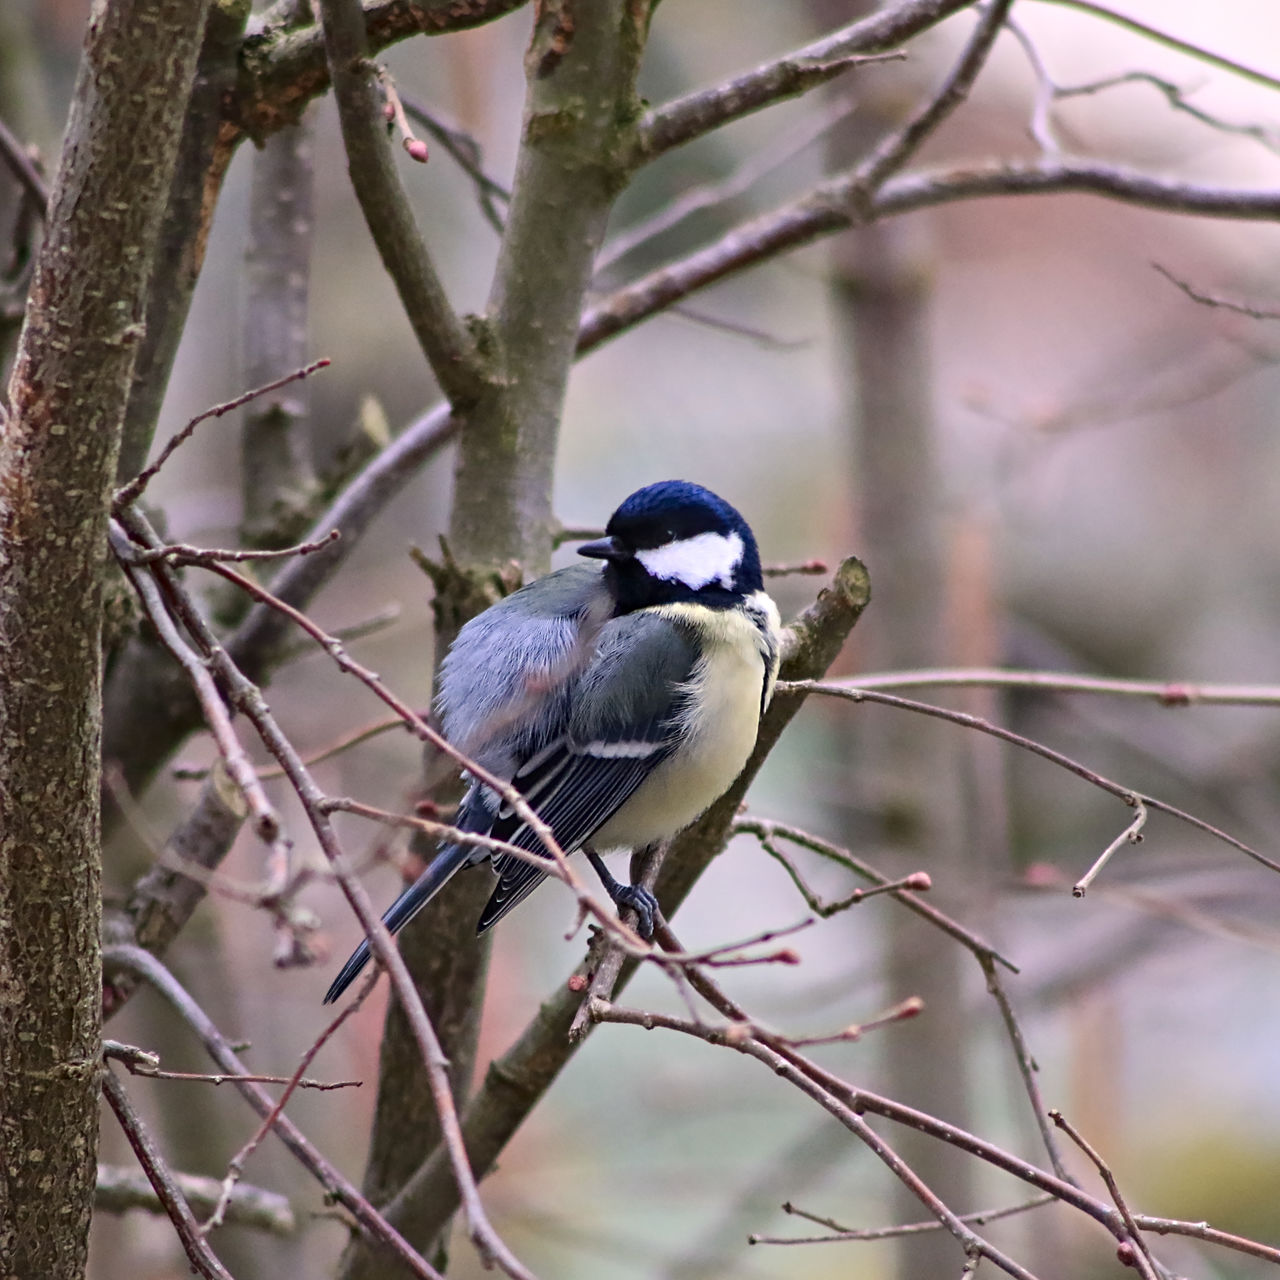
column 449, row 860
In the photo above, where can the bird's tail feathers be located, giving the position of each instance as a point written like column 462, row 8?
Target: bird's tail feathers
column 438, row 873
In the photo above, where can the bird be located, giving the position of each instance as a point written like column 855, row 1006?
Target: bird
column 620, row 698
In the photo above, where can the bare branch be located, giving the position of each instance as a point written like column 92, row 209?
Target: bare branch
column 833, row 205
column 842, row 1234
column 444, row 340
column 1132, row 834
column 20, row 164
column 1214, row 300
column 1131, row 798
column 119, row 1190
column 141, row 1062
column 134, row 489
column 1028, row 1068
column 202, row 1258
column 769, row 832
column 894, row 150
column 143, row 965
column 1196, row 51
column 1168, row 693
column 1137, row 1255
column 678, row 122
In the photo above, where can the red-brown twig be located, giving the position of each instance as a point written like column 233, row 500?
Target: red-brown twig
column 1136, row 1254
column 780, row 1058
column 202, row 1258
column 247, row 698
column 142, row 964
column 134, row 489
column 266, row 822
column 181, row 553
column 1168, row 693
column 1130, row 797
column 768, row 833
column 236, row 1165
column 142, row 1062
column 842, row 1233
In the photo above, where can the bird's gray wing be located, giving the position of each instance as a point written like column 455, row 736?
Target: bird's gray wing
column 625, row 715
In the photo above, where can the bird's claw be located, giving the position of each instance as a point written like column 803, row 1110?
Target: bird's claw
column 643, row 903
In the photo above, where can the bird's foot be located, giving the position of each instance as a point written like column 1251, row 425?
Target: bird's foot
column 642, row 902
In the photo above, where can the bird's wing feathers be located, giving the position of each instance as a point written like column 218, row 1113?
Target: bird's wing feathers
column 625, row 717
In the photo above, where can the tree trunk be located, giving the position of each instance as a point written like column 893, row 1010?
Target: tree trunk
column 58, row 452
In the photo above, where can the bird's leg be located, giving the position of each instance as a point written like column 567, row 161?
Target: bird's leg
column 641, row 901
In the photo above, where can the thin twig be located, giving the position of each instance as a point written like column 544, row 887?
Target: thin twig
column 142, row 964
column 803, row 567
column 236, row 1165
column 118, row 1190
column 265, row 819
column 1215, row 300
column 768, row 832
column 1028, row 1068
column 466, row 153
column 20, row 163
column 134, row 489
column 181, row 553
column 695, row 114
column 1132, row 834
column 1131, row 798
column 1196, row 51
column 894, row 150
column 1168, row 693
column 1140, row 1255
column 194, row 1245
column 978, row 1219
column 142, row 1062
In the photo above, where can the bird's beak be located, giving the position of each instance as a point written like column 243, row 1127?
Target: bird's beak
column 605, row 549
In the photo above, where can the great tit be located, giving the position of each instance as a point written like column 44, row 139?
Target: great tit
column 620, row 699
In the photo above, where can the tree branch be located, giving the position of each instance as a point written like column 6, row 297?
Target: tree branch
column 119, row 1190
column 194, row 1245
column 839, row 203
column 680, row 121
column 444, row 340
column 142, row 965
column 282, row 70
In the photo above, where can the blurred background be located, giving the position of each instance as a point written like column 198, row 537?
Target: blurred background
column 1047, row 454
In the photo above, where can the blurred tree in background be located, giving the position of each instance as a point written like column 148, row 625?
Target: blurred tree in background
column 842, row 297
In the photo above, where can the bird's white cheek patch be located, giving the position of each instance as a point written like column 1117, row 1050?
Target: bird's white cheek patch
column 697, row 561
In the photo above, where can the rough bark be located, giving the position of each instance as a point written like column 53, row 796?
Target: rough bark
column 58, row 451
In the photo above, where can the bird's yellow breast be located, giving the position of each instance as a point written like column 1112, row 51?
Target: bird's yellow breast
column 730, row 683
